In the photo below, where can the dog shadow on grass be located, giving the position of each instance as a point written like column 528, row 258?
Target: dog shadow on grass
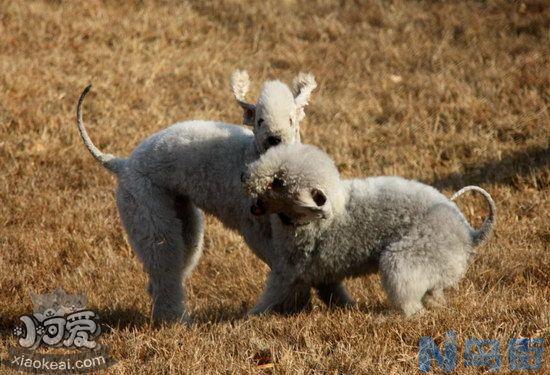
column 129, row 318
column 230, row 313
column 7, row 324
column 122, row 318
column 503, row 172
column 219, row 314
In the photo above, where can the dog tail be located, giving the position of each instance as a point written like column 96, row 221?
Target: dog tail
column 111, row 162
column 480, row 235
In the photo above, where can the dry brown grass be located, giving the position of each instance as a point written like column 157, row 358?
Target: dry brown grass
column 450, row 93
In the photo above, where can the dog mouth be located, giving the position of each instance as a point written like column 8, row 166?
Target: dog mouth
column 272, row 141
column 258, row 208
column 285, row 219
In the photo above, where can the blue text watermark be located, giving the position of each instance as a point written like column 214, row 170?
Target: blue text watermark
column 517, row 354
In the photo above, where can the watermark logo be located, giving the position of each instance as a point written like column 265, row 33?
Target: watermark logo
column 524, row 354
column 59, row 320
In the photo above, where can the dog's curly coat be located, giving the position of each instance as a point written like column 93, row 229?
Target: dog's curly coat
column 328, row 229
column 194, row 166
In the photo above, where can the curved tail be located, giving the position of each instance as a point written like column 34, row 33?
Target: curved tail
column 111, row 162
column 480, row 235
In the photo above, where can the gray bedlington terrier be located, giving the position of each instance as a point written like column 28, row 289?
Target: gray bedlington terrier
column 327, row 229
column 195, row 166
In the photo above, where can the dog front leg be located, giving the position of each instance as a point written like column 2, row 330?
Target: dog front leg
column 282, row 294
column 335, row 294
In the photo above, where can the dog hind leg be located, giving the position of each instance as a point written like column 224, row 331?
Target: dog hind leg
column 153, row 223
column 192, row 229
column 432, row 256
column 403, row 277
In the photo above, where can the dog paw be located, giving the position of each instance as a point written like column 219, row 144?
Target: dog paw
column 168, row 317
column 411, row 310
column 434, row 299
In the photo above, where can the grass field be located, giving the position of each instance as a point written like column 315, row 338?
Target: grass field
column 448, row 93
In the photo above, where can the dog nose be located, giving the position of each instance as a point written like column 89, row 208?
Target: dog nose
column 273, row 140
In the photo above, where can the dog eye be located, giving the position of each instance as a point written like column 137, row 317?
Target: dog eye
column 277, row 183
column 291, row 122
column 260, row 122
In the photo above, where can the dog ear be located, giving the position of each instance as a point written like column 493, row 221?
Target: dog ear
column 249, row 112
column 240, row 82
column 302, row 86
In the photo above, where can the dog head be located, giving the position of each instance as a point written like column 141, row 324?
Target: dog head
column 276, row 117
column 298, row 182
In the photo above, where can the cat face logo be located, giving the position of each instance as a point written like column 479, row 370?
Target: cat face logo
column 59, row 319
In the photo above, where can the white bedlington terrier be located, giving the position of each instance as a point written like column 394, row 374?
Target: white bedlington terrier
column 328, row 229
column 195, row 166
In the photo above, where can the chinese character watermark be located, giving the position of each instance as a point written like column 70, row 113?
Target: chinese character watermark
column 59, row 320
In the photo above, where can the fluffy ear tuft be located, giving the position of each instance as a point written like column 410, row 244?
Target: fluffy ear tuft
column 302, row 86
column 240, row 83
